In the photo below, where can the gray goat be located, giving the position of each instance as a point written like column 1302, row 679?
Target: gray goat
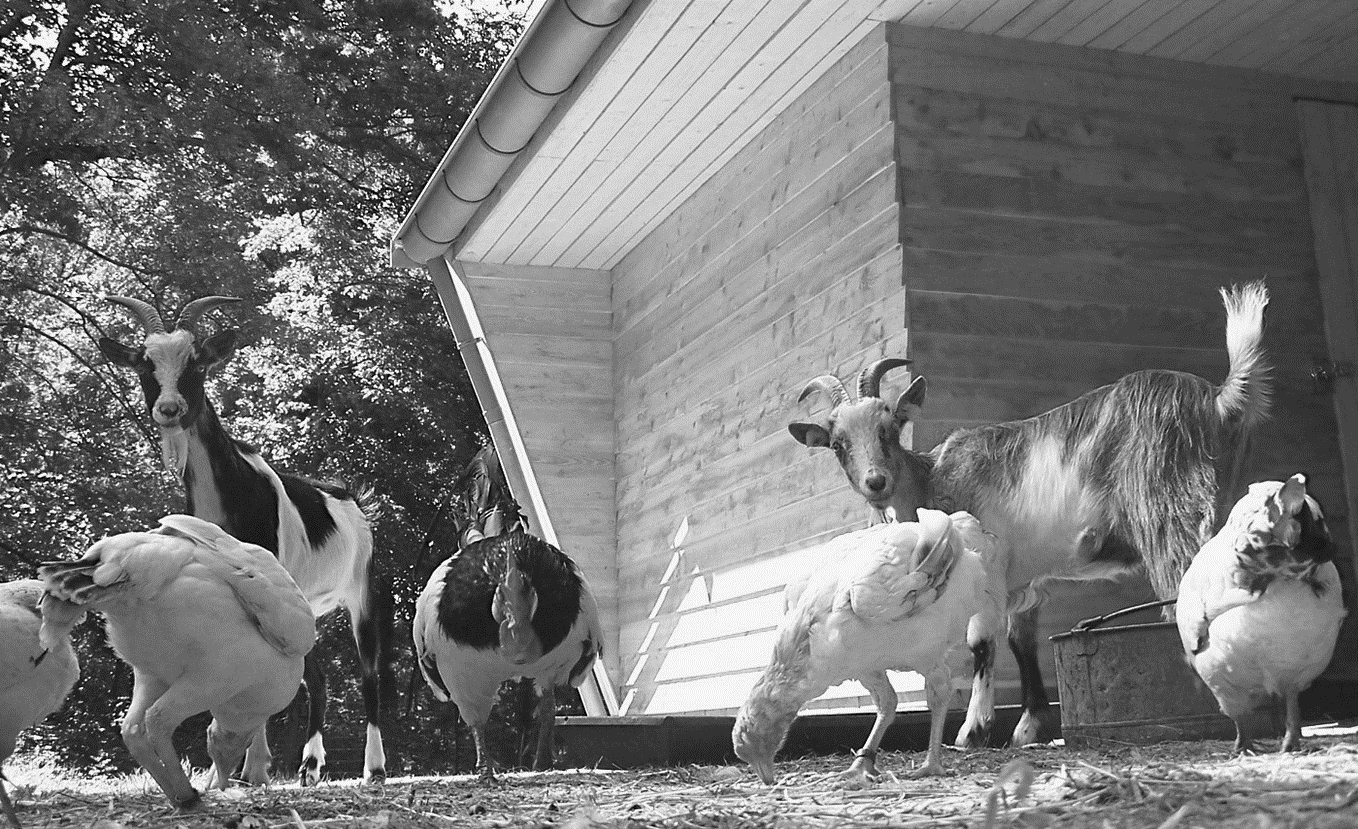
column 1132, row 474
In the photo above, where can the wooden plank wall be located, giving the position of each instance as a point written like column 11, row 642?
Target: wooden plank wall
column 1068, row 216
column 783, row 266
column 550, row 333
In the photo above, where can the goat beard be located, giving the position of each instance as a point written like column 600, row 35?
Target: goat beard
column 174, row 450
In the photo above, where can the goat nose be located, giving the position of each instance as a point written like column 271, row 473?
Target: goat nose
column 875, row 482
column 167, row 411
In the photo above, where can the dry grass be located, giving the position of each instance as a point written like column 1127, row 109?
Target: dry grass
column 1169, row 785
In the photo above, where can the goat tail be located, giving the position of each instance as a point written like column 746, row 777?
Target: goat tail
column 369, row 502
column 1245, row 395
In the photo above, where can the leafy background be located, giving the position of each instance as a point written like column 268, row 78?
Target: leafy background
column 264, row 150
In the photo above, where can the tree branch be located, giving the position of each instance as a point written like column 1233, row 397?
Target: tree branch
column 42, row 231
column 75, row 17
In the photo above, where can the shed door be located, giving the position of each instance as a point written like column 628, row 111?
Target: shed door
column 1329, row 134
column 1330, row 145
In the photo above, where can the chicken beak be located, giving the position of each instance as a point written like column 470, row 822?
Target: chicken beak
column 764, row 768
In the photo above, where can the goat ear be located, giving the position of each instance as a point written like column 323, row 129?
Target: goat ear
column 117, row 353
column 218, row 348
column 810, row 434
column 910, row 404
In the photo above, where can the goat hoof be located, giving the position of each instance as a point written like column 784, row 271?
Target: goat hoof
column 1027, row 732
column 375, row 776
column 974, row 738
column 191, row 802
column 309, row 774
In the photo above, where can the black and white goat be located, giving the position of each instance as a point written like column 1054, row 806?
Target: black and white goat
column 319, row 531
column 1131, row 474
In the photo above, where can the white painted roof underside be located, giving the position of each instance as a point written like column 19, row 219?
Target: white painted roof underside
column 690, row 82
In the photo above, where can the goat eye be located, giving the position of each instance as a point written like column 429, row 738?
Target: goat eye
column 838, row 447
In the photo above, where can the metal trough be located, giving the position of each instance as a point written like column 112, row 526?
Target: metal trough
column 1130, row 684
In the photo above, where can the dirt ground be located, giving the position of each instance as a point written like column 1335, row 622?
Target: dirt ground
column 1167, row 785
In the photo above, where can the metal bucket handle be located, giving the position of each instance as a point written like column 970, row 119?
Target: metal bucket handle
column 1095, row 621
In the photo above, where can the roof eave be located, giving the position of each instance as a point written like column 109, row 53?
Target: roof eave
column 555, row 45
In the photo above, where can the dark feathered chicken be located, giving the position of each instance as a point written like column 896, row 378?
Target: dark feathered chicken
column 1259, row 608
column 507, row 604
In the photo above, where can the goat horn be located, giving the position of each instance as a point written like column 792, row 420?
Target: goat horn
column 829, row 384
column 870, row 381
column 146, row 313
column 188, row 317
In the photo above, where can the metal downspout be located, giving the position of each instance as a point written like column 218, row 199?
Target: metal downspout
column 597, row 692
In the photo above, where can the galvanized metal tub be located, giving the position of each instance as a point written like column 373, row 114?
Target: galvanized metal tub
column 1130, row 684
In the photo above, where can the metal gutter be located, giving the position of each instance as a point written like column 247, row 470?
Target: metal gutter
column 597, row 691
column 555, row 45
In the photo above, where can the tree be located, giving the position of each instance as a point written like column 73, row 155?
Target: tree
column 266, row 151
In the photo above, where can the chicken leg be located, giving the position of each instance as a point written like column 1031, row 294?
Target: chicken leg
column 9, row 807
column 1292, row 736
column 226, row 748
column 863, row 770
column 258, row 758
column 148, row 729
column 546, row 717
column 937, row 690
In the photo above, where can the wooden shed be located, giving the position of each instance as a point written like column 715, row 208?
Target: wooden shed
column 664, row 216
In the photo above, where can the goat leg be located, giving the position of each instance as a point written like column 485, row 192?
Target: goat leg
column 981, row 633
column 313, row 752
column 374, row 648
column 1023, row 642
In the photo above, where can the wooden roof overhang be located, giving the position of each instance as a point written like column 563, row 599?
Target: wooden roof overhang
column 645, row 100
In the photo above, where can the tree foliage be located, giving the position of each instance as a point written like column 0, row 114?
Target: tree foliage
column 169, row 150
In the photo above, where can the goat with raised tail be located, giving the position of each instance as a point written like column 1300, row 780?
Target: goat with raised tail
column 1132, row 474
column 320, row 532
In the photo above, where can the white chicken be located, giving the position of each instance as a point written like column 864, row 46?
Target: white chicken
column 899, row 597
column 34, row 680
column 208, row 623
column 506, row 604
column 1259, row 608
